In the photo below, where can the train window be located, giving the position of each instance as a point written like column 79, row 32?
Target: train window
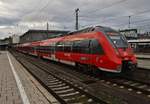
column 84, row 46
column 60, row 46
column 84, row 43
column 38, row 48
column 95, row 47
column 81, row 46
column 68, row 46
column 119, row 40
column 47, row 48
column 76, row 46
column 51, row 49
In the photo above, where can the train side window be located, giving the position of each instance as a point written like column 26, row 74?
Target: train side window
column 75, row 47
column 39, row 48
column 52, row 47
column 81, row 46
column 68, row 46
column 84, row 43
column 47, row 48
column 84, row 46
column 60, row 46
column 95, row 47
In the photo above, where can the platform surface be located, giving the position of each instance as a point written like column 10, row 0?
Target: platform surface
column 9, row 92
column 18, row 86
column 144, row 63
column 146, row 56
column 143, row 60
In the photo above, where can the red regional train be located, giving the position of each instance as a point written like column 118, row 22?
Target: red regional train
column 98, row 47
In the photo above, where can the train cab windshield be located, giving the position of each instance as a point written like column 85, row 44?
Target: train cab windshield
column 119, row 40
column 115, row 38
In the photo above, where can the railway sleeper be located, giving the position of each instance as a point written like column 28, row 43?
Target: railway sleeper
column 55, row 80
column 65, row 91
column 61, row 88
column 55, row 83
column 81, row 99
column 56, row 86
column 72, row 94
column 134, row 86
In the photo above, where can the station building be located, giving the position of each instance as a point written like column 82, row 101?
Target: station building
column 140, row 42
column 37, row 35
column 30, row 36
column 4, row 43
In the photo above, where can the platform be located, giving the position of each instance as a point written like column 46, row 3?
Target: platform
column 143, row 60
column 144, row 63
column 17, row 86
column 143, row 56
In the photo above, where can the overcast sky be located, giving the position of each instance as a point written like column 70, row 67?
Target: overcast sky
column 17, row 16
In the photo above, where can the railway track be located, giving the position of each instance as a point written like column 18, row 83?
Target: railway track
column 133, row 86
column 141, row 75
column 130, row 85
column 64, row 90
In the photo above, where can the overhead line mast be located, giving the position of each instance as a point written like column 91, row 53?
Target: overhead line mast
column 129, row 21
column 77, row 15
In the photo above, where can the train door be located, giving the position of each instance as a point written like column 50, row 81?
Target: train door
column 35, row 50
column 53, row 51
column 91, row 51
column 96, row 51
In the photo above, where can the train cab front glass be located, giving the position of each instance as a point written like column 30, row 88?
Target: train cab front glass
column 115, row 38
column 118, row 39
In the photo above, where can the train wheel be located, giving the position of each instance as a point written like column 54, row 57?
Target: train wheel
column 39, row 56
column 94, row 71
column 82, row 67
column 78, row 67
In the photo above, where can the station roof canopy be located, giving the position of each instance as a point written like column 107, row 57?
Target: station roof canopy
column 139, row 41
column 44, row 31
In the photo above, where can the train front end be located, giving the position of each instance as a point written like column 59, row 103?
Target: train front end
column 124, row 51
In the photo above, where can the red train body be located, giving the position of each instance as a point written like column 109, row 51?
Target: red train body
column 99, row 47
